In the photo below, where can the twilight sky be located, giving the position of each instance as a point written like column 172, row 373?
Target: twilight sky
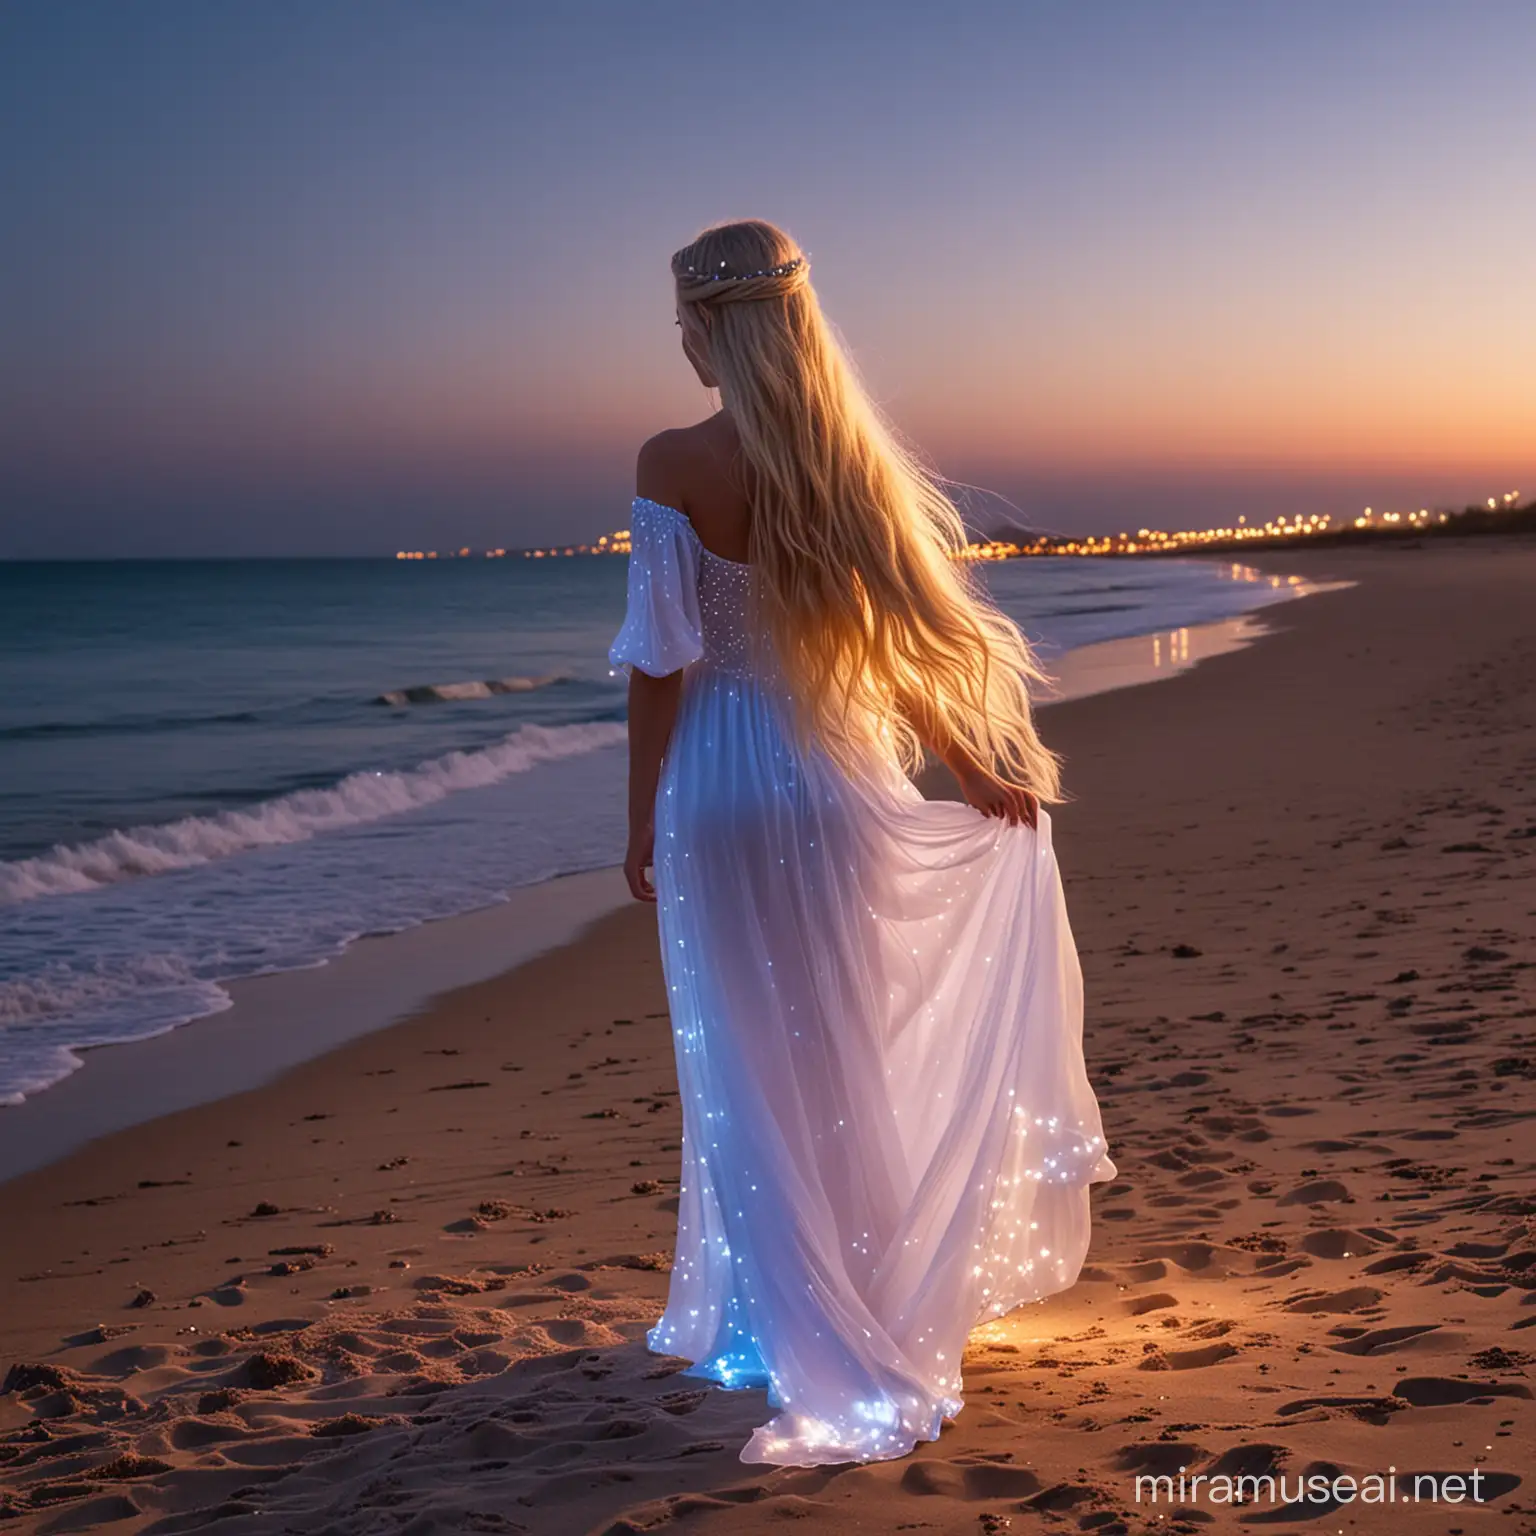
column 340, row 276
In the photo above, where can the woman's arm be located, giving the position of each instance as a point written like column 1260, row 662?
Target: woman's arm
column 981, row 787
column 652, row 712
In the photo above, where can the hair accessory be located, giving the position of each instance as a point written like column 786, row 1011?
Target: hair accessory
column 782, row 270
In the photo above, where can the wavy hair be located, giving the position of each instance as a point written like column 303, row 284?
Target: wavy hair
column 876, row 622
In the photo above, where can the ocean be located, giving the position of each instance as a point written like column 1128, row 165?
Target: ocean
column 211, row 769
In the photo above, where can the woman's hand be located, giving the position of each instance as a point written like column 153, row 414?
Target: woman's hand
column 638, row 858
column 981, row 787
column 993, row 796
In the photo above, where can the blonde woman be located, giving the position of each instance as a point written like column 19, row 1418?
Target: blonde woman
column 888, row 1132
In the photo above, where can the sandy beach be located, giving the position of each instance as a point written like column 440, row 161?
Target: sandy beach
column 404, row 1287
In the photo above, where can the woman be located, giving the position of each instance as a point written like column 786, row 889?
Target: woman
column 888, row 1133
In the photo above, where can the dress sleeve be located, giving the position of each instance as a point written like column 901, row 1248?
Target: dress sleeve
column 662, row 631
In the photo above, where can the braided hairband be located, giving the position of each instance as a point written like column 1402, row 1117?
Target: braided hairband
column 692, row 274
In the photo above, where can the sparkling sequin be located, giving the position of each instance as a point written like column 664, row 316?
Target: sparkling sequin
column 782, row 270
column 888, row 1132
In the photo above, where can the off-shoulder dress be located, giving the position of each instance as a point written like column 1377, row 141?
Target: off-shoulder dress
column 877, row 1010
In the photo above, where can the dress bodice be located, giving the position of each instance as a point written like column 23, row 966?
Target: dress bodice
column 725, row 589
column 687, row 605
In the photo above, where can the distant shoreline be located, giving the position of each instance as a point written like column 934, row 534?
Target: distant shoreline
column 1470, row 522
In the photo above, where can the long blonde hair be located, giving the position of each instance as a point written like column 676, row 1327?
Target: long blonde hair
column 873, row 618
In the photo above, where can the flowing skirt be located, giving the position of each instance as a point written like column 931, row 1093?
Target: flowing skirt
column 888, row 1131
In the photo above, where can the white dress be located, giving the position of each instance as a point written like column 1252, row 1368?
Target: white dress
column 888, row 1132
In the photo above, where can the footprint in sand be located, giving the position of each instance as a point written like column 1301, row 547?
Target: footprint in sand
column 197, row 1434
column 1061, row 1497
column 1199, row 1177
column 1250, row 1461
column 1278, row 1266
column 125, row 1362
column 1242, row 1127
column 1195, row 1257
column 1187, row 1359
column 1139, row 1306
column 948, row 1479
column 1355, row 1299
column 1369, row 1410
column 1316, row 1192
column 1443, row 1392
column 1159, row 1458
column 569, row 1282
column 1212, row 1328
column 1337, row 1243
column 95, row 1512
column 1396, row 1262
column 1381, row 1341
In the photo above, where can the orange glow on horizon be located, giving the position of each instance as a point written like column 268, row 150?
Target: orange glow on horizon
column 1283, row 531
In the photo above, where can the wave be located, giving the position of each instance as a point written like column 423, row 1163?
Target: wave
column 434, row 693
column 1069, row 611
column 132, row 725
column 126, row 726
column 64, row 989
column 360, row 797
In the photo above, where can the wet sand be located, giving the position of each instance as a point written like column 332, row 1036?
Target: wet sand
column 405, row 1285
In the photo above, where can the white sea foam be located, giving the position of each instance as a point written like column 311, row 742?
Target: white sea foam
column 435, row 693
column 292, row 818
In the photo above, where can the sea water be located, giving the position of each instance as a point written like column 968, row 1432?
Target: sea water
column 210, row 769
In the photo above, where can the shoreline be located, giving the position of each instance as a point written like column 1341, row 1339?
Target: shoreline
column 276, row 1020
column 407, row 1283
column 279, row 1019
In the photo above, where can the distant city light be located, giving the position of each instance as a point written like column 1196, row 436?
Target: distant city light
column 1145, row 541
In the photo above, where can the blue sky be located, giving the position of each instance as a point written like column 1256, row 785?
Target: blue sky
column 339, row 277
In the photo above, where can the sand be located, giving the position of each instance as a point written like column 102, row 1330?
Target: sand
column 404, row 1287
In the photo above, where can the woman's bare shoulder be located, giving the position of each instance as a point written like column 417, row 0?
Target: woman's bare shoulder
column 686, row 468
column 667, row 467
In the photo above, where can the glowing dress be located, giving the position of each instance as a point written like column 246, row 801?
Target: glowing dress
column 888, row 1132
